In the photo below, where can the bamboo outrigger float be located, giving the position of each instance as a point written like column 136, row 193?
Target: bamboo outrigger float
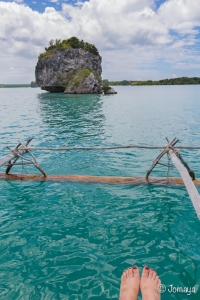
column 187, row 175
column 99, row 179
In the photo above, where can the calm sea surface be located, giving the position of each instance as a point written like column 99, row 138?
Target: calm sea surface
column 64, row 240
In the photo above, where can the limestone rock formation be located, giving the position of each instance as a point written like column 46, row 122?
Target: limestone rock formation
column 72, row 70
column 84, row 82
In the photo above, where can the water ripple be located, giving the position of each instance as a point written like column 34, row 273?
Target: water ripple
column 73, row 241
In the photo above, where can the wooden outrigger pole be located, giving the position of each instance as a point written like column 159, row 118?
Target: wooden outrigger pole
column 99, row 179
column 187, row 175
column 189, row 184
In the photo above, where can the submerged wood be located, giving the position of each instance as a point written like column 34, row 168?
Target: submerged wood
column 189, row 184
column 99, row 179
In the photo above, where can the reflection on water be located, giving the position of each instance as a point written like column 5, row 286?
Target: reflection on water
column 77, row 118
column 72, row 120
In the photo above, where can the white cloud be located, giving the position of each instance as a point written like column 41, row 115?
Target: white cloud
column 180, row 15
column 131, row 35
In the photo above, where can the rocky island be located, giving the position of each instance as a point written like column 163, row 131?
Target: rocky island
column 70, row 66
column 108, row 90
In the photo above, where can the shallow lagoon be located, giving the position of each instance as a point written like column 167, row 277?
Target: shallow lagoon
column 73, row 241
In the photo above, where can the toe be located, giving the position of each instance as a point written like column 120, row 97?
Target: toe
column 145, row 272
column 130, row 272
column 157, row 279
column 151, row 274
column 124, row 276
column 127, row 272
column 136, row 271
column 154, row 275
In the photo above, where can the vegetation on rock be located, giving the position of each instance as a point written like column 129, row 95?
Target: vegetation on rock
column 106, row 89
column 61, row 45
column 76, row 77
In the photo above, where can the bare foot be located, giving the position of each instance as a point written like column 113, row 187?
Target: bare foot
column 130, row 284
column 149, row 285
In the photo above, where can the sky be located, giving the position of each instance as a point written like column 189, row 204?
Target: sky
column 137, row 39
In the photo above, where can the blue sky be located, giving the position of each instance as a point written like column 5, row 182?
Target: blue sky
column 137, row 39
column 40, row 5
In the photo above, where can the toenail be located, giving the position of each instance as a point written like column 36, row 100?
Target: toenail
column 147, row 268
column 134, row 267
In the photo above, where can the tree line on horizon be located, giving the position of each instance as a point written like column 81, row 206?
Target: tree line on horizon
column 171, row 81
column 32, row 84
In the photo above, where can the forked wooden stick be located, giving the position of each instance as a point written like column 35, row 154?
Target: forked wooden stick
column 172, row 143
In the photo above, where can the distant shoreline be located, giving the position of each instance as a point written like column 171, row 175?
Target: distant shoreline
column 172, row 81
column 106, row 82
column 17, row 85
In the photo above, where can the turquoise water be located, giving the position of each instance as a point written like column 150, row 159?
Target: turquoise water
column 72, row 241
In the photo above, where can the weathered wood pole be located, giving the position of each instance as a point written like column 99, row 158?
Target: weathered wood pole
column 191, row 188
column 6, row 159
column 11, row 156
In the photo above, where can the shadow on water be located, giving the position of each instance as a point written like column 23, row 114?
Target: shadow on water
column 78, row 117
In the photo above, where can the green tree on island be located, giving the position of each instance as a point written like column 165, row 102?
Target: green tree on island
column 72, row 42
